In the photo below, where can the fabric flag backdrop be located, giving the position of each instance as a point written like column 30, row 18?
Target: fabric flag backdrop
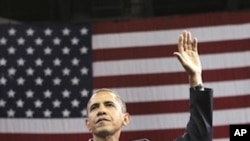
column 134, row 57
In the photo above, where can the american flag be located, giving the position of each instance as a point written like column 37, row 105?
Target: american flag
column 46, row 71
column 134, row 57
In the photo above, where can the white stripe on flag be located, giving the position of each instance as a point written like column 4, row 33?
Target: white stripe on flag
column 139, row 122
column 223, row 139
column 180, row 92
column 169, row 64
column 168, row 37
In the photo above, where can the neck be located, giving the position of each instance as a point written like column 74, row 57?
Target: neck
column 112, row 137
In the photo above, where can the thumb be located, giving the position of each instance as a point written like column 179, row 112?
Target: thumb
column 179, row 56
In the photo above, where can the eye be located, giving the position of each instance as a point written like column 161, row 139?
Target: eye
column 110, row 104
column 93, row 107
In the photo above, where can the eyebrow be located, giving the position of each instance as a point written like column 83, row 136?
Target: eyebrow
column 107, row 102
column 98, row 103
column 93, row 105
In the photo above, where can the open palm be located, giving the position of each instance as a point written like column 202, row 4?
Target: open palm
column 188, row 53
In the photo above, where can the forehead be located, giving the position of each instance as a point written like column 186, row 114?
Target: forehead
column 102, row 96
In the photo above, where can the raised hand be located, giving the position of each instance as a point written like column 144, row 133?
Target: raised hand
column 188, row 56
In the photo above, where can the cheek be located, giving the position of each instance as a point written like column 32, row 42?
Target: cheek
column 118, row 117
column 90, row 121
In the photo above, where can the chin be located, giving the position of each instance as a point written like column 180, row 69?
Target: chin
column 103, row 132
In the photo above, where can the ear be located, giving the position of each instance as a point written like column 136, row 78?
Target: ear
column 126, row 119
column 87, row 124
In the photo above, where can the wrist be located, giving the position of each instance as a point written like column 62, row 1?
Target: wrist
column 199, row 87
column 195, row 79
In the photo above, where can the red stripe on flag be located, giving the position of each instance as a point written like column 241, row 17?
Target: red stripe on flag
column 176, row 106
column 168, row 78
column 153, row 135
column 167, row 51
column 174, row 22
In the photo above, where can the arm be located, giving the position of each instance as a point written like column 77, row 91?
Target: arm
column 199, row 127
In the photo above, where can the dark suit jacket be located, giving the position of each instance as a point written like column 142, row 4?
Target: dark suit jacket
column 200, row 125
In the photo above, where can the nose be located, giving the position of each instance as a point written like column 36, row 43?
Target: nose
column 101, row 111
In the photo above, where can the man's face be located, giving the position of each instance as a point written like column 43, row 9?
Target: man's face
column 105, row 116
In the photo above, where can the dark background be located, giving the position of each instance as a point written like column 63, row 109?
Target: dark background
column 103, row 10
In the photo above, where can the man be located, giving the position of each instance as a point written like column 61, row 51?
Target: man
column 106, row 112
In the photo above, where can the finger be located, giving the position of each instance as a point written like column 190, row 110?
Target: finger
column 185, row 40
column 179, row 56
column 189, row 41
column 195, row 44
column 181, row 42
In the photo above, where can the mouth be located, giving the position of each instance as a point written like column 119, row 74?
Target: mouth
column 101, row 120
